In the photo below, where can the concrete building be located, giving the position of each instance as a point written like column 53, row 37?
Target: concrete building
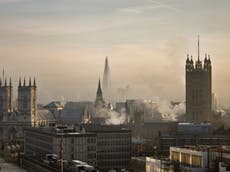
column 113, row 146
column 195, row 128
column 158, row 165
column 191, row 134
column 76, row 146
column 198, row 89
column 138, row 164
column 201, row 159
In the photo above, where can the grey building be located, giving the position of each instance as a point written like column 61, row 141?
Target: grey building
column 198, row 89
column 113, row 146
column 192, row 134
column 13, row 120
column 76, row 146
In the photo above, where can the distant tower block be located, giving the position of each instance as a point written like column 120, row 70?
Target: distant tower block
column 198, row 89
column 106, row 85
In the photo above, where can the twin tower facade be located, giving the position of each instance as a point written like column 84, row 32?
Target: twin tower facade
column 198, row 89
column 26, row 102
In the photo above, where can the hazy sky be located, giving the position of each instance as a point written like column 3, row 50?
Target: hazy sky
column 64, row 42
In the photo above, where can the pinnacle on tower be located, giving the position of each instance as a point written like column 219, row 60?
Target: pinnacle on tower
column 34, row 82
column 10, row 82
column 30, row 82
column 24, row 83
column 187, row 61
column 20, row 82
column 5, row 82
column 209, row 59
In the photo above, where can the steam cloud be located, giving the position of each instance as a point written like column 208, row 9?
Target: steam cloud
column 111, row 117
column 173, row 111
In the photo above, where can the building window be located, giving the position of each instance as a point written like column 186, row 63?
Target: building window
column 196, row 161
column 175, row 156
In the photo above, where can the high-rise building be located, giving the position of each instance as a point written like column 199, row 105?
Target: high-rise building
column 106, row 85
column 27, row 100
column 198, row 89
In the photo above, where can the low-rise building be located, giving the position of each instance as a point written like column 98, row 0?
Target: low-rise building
column 41, row 141
column 201, row 158
column 113, row 146
column 158, row 165
column 191, row 134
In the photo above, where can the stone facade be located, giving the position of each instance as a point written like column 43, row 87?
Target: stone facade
column 198, row 89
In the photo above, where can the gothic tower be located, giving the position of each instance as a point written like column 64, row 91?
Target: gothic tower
column 106, row 85
column 198, row 89
column 6, row 97
column 27, row 100
column 99, row 103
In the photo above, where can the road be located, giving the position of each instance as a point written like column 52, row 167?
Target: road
column 8, row 167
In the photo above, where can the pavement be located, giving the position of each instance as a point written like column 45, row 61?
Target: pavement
column 8, row 167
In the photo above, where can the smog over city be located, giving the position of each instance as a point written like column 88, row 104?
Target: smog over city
column 114, row 85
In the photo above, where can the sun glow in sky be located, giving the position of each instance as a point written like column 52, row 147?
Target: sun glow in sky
column 64, row 42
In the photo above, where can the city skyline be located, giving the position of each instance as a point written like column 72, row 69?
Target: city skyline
column 64, row 46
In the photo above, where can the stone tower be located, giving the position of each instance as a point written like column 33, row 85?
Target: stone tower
column 27, row 100
column 106, row 85
column 6, row 97
column 99, row 103
column 198, row 89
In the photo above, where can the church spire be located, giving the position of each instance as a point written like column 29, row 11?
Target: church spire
column 99, row 99
column 99, row 91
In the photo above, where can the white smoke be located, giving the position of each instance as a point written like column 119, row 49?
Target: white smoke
column 111, row 117
column 171, row 111
column 115, row 118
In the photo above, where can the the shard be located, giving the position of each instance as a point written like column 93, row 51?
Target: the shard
column 106, row 85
